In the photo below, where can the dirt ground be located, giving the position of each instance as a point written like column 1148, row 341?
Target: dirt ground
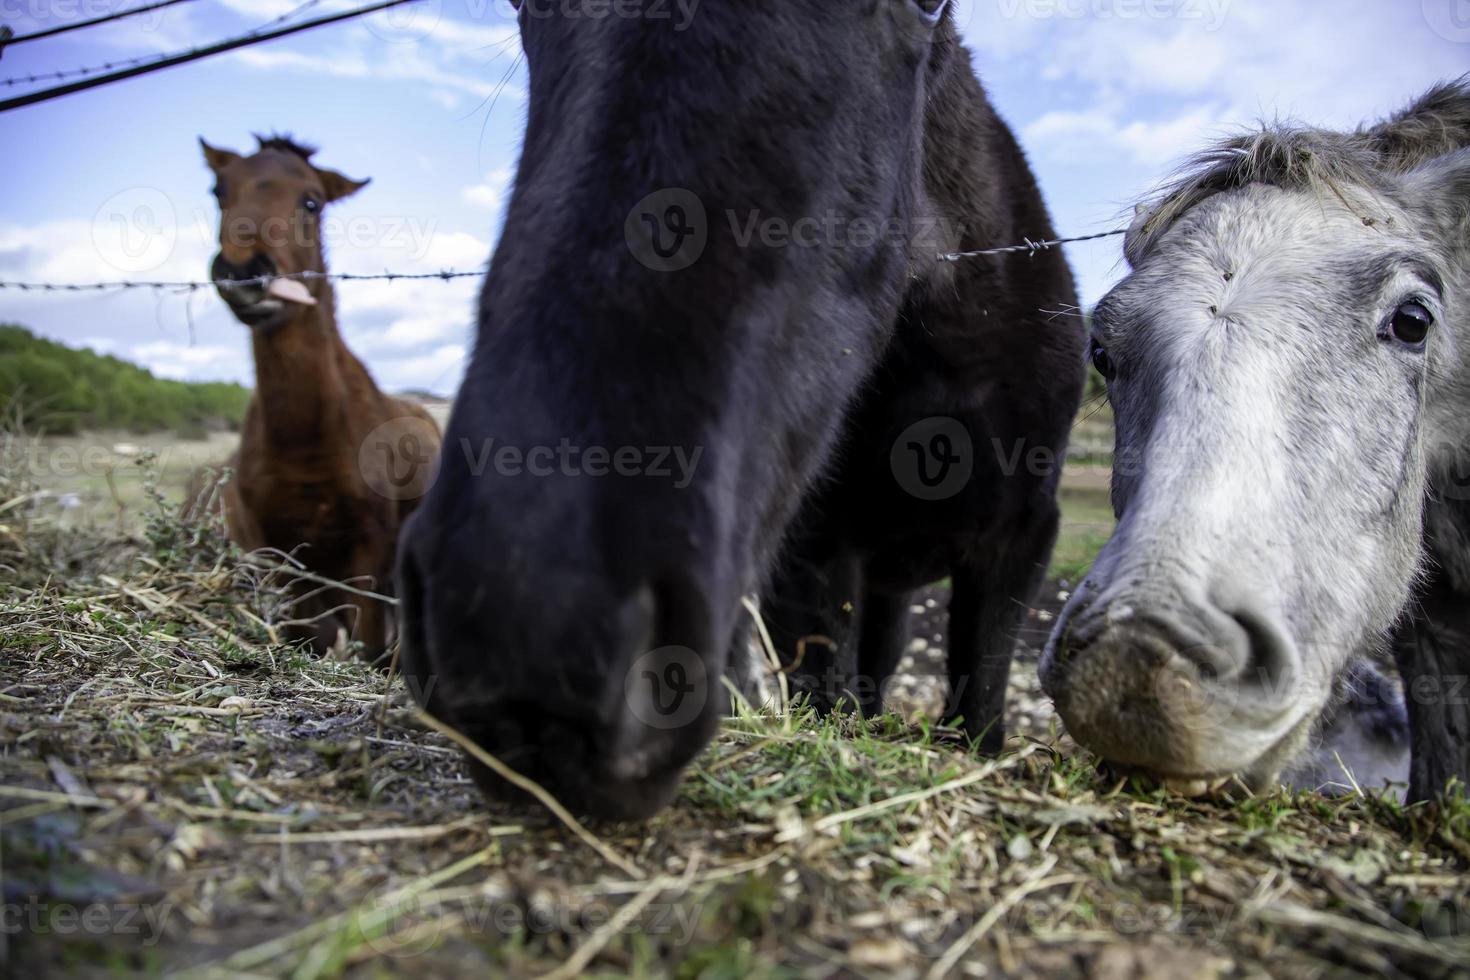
column 182, row 794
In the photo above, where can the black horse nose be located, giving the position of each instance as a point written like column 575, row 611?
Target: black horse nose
column 223, row 270
column 607, row 731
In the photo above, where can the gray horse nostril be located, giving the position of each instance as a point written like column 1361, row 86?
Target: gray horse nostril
column 1270, row 655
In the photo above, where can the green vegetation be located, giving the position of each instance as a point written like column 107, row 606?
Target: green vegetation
column 1087, row 522
column 61, row 391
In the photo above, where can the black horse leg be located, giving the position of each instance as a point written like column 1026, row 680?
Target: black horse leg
column 989, row 603
column 885, row 628
column 810, row 608
column 1433, row 654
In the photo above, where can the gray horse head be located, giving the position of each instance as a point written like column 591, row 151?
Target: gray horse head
column 1289, row 364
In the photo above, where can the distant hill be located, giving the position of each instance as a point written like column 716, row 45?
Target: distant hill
column 61, row 390
column 424, row 397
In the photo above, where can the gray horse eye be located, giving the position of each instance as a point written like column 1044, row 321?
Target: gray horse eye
column 932, row 8
column 1410, row 324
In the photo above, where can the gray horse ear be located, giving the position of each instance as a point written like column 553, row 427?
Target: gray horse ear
column 338, row 186
column 1439, row 192
column 1140, row 235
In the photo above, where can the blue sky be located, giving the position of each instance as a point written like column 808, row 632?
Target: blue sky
column 1106, row 95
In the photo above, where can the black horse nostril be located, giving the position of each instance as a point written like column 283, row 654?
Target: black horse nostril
column 223, row 270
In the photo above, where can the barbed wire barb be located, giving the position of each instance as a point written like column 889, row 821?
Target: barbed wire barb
column 1029, row 246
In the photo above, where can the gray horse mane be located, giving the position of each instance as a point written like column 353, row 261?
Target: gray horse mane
column 1305, row 158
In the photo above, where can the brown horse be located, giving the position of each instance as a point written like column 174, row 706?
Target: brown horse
column 328, row 466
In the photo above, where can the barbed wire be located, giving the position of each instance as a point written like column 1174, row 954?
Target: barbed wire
column 95, row 21
column 446, row 275
column 145, row 59
column 258, row 36
column 1030, row 246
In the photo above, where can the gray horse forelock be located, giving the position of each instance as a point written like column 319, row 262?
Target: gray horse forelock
column 1322, row 161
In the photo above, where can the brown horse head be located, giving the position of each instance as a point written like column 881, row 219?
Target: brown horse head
column 270, row 224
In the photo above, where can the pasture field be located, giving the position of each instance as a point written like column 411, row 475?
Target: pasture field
column 179, row 793
column 95, row 480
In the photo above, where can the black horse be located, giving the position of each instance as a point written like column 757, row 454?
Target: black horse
column 722, row 249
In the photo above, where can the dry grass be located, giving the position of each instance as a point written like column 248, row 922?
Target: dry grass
column 182, row 793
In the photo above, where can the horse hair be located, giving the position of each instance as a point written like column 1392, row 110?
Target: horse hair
column 1307, row 158
column 285, row 143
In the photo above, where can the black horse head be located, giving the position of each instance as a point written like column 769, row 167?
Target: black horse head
column 703, row 258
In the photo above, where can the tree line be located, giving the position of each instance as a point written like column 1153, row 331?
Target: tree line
column 60, row 390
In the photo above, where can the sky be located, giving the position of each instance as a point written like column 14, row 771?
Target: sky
column 1106, row 96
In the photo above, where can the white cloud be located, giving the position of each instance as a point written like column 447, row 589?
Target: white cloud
column 491, row 193
column 453, row 56
column 1154, row 143
column 168, row 359
column 439, row 370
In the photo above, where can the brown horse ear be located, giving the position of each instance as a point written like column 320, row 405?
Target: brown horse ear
column 337, row 186
column 216, row 158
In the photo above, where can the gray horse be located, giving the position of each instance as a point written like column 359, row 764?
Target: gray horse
column 1289, row 364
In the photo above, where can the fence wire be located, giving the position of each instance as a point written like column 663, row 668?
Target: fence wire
column 447, row 275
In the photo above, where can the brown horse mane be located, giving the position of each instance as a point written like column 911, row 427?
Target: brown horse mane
column 1296, row 157
column 285, row 143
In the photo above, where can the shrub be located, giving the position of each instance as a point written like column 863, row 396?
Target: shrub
column 61, row 390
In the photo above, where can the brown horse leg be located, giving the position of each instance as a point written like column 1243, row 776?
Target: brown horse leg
column 312, row 621
column 240, row 523
column 368, row 572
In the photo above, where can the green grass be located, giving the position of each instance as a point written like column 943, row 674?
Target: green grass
column 1087, row 523
column 101, row 479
